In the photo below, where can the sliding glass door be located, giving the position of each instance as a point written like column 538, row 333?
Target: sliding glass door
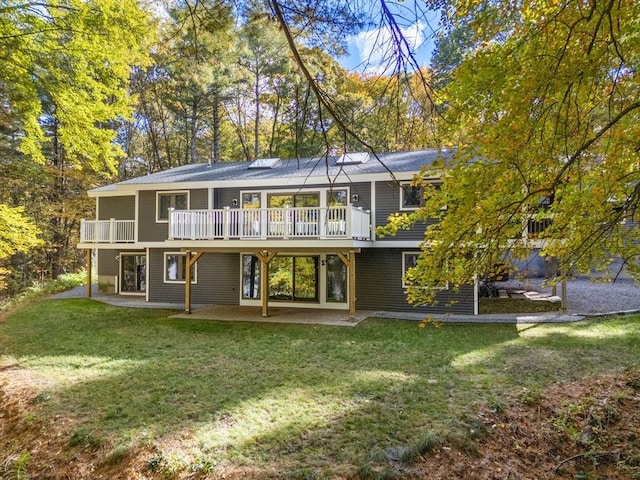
column 293, row 279
column 133, row 273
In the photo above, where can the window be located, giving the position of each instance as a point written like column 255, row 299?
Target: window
column 409, row 261
column 251, row 200
column 337, row 198
column 250, row 277
column 167, row 200
column 175, row 270
column 411, row 197
column 336, row 279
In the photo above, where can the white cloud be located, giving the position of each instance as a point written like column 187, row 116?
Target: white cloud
column 375, row 47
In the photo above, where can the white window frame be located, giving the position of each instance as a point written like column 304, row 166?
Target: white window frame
column 172, row 193
column 404, row 269
column 194, row 277
column 430, row 181
column 402, row 191
column 322, row 191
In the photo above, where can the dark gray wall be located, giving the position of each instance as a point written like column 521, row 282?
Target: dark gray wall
column 379, row 286
column 107, row 262
column 387, row 203
column 120, row 208
column 151, row 231
column 218, row 279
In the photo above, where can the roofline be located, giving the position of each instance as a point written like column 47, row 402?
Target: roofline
column 130, row 189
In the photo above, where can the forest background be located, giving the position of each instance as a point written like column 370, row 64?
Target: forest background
column 97, row 91
column 540, row 100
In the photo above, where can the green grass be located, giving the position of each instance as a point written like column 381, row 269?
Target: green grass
column 311, row 401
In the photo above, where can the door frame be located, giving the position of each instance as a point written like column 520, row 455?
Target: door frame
column 146, row 272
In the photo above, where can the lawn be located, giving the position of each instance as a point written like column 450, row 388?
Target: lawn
column 200, row 397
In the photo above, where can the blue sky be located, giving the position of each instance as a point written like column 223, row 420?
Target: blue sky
column 369, row 49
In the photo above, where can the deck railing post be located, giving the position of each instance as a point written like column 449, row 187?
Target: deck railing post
column 170, row 224
column 112, row 227
column 287, row 222
column 348, row 220
column 225, row 223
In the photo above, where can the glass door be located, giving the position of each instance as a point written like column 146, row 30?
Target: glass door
column 293, row 279
column 133, row 273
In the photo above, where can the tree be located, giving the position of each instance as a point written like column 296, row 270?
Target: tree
column 18, row 234
column 545, row 115
column 75, row 56
column 64, row 69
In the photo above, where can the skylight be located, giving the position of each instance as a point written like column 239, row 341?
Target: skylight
column 263, row 163
column 353, row 158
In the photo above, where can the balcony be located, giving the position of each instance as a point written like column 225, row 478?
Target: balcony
column 342, row 222
column 107, row 231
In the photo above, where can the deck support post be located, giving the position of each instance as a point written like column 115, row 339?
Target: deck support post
column 350, row 261
column 190, row 259
column 265, row 257
column 88, row 253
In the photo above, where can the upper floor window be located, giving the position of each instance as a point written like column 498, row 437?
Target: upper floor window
column 411, row 197
column 251, row 200
column 167, row 200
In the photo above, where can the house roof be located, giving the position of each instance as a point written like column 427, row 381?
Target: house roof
column 286, row 169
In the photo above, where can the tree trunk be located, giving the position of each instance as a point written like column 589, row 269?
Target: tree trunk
column 193, row 154
column 216, row 127
column 256, row 127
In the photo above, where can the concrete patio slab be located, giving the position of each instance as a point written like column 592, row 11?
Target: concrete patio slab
column 315, row 316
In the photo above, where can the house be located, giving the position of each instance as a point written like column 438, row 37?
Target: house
column 273, row 232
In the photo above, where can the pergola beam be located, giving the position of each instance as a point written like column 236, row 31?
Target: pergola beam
column 350, row 261
column 88, row 261
column 265, row 257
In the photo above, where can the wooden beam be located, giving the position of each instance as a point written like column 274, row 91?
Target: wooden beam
column 265, row 257
column 190, row 259
column 350, row 262
column 88, row 272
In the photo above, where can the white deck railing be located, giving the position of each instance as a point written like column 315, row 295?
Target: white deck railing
column 347, row 222
column 107, row 231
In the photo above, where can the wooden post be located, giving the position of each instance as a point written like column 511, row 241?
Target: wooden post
column 88, row 272
column 350, row 262
column 190, row 259
column 265, row 257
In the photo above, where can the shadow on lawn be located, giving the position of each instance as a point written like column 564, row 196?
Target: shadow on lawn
column 255, row 393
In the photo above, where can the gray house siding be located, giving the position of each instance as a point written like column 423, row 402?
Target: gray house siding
column 379, row 286
column 151, row 231
column 218, row 276
column 107, row 262
column 120, row 208
column 387, row 203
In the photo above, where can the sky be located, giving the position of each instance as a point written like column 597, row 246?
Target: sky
column 369, row 49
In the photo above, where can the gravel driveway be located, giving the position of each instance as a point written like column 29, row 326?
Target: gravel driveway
column 589, row 296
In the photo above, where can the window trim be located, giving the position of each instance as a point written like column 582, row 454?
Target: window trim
column 404, row 270
column 194, row 277
column 172, row 193
column 402, row 196
column 323, row 193
column 435, row 182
